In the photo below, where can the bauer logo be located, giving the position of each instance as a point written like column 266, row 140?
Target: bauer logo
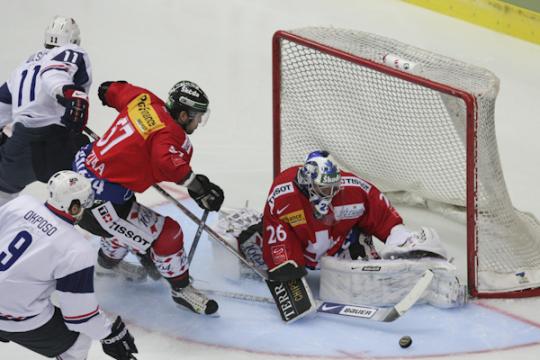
column 295, row 218
column 371, row 268
column 358, row 311
column 279, row 190
column 355, row 181
column 143, row 116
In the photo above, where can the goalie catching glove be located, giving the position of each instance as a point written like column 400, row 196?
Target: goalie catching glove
column 208, row 195
column 404, row 244
column 75, row 100
column 120, row 344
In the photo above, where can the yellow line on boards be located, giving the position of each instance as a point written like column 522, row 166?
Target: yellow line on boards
column 497, row 15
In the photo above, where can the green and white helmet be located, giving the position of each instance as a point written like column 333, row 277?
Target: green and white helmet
column 188, row 96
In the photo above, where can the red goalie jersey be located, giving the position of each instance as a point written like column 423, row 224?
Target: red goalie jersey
column 292, row 232
column 144, row 145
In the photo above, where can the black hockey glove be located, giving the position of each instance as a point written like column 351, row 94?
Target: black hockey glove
column 208, row 195
column 119, row 344
column 75, row 100
column 102, row 90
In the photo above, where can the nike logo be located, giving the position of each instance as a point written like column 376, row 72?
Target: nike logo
column 282, row 209
column 325, row 307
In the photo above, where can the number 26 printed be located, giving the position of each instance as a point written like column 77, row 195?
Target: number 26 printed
column 276, row 234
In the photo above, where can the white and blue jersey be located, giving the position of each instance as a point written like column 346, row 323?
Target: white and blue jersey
column 104, row 190
column 29, row 95
column 41, row 252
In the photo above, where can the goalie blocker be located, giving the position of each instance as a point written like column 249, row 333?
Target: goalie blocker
column 290, row 291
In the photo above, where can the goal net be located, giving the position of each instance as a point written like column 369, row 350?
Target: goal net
column 418, row 125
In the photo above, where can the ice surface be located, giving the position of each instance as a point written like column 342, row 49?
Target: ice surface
column 225, row 47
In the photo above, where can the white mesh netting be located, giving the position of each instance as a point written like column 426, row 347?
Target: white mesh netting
column 407, row 137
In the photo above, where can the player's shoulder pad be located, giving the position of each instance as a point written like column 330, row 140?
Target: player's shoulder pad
column 283, row 184
column 353, row 181
column 280, row 189
column 71, row 53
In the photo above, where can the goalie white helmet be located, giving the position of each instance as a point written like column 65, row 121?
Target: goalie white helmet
column 62, row 31
column 67, row 186
column 321, row 179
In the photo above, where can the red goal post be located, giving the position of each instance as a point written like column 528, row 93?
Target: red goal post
column 417, row 124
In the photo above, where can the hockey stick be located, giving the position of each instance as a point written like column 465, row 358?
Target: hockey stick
column 195, row 219
column 379, row 313
column 197, row 236
column 375, row 313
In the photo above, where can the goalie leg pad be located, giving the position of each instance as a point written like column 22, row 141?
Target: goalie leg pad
column 386, row 282
column 293, row 297
column 250, row 245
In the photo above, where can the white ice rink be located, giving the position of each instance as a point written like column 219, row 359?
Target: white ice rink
column 225, row 46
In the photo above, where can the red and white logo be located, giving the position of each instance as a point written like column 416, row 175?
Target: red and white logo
column 279, row 254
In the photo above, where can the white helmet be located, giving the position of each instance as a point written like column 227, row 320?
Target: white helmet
column 67, row 186
column 321, row 180
column 61, row 31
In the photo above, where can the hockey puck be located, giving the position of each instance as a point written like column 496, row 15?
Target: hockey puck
column 405, row 342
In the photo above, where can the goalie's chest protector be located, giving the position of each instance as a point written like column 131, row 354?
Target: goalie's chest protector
column 326, row 236
column 320, row 236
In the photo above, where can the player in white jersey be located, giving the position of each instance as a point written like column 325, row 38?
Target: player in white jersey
column 40, row 252
column 45, row 103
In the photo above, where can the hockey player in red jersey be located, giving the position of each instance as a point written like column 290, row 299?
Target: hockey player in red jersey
column 318, row 214
column 147, row 144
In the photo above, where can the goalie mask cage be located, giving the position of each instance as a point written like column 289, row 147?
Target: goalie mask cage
column 416, row 124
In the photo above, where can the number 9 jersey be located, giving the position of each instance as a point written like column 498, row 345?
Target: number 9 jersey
column 40, row 252
column 143, row 146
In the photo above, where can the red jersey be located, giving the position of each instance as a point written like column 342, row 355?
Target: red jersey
column 291, row 231
column 144, row 145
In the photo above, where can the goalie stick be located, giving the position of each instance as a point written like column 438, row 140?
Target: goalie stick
column 375, row 313
column 380, row 313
